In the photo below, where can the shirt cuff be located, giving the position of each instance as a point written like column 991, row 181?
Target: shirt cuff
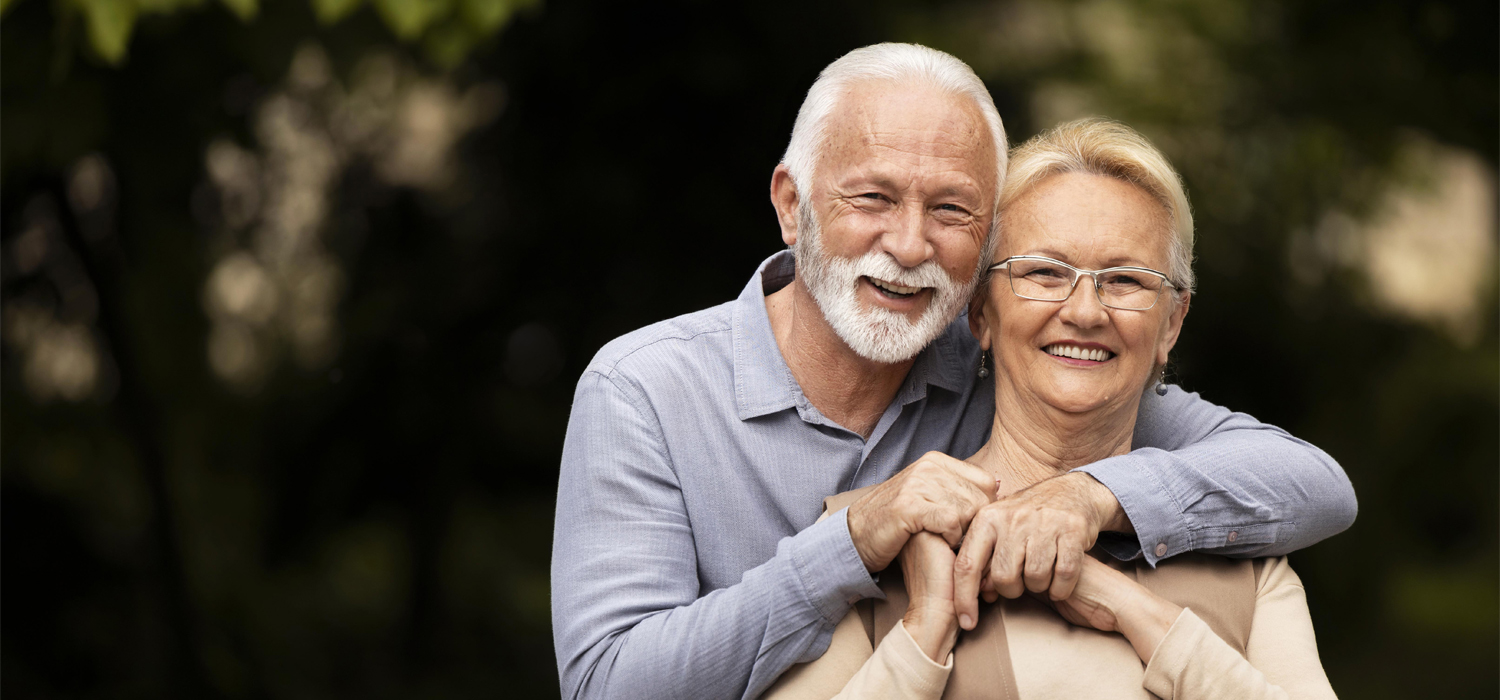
column 1161, row 526
column 830, row 568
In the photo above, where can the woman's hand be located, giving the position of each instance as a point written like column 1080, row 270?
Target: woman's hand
column 1108, row 600
column 927, row 565
column 1100, row 591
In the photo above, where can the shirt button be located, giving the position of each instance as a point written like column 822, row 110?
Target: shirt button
column 1161, row 549
column 1234, row 536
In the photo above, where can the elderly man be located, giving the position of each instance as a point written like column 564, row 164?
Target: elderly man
column 686, row 558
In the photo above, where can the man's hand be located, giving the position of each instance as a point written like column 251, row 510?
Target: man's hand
column 1034, row 539
column 937, row 493
column 927, row 566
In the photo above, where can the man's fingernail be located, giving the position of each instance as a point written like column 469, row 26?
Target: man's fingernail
column 965, row 621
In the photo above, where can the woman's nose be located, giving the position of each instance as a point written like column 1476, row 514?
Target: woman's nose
column 1082, row 308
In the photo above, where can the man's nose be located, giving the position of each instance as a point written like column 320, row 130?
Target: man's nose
column 905, row 239
column 1083, row 308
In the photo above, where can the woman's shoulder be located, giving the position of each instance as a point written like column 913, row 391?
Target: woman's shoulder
column 1272, row 573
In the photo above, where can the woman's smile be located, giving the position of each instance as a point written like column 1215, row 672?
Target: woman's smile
column 1080, row 354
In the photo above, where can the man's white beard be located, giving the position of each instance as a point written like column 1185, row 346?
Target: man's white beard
column 876, row 334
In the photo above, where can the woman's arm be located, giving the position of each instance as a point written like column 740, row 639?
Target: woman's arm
column 1185, row 660
column 905, row 665
column 927, row 566
column 1281, row 654
column 1108, row 600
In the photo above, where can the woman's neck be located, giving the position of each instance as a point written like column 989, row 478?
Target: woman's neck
column 1031, row 441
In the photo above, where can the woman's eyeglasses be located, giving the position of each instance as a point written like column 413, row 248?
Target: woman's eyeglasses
column 1044, row 279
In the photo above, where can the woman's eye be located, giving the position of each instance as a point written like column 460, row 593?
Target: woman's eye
column 872, row 195
column 949, row 207
column 1122, row 282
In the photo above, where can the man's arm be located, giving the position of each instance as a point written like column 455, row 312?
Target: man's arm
column 627, row 618
column 1204, row 478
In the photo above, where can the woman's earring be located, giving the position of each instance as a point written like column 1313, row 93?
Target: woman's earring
column 1161, row 384
column 984, row 372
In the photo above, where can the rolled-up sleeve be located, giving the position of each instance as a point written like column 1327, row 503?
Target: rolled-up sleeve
column 628, row 619
column 1207, row 479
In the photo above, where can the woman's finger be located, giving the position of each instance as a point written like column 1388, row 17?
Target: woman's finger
column 969, row 569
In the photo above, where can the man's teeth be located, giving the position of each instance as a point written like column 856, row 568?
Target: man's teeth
column 1078, row 353
column 896, row 289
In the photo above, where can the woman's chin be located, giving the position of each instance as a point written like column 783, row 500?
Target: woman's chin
column 1078, row 407
column 1079, row 399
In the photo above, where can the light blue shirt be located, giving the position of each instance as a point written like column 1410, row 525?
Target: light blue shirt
column 685, row 558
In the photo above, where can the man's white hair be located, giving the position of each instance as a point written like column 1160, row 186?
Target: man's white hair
column 903, row 64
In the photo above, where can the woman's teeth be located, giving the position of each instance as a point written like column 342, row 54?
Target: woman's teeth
column 1078, row 353
column 894, row 290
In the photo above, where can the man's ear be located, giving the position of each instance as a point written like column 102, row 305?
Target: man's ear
column 1174, row 328
column 979, row 319
column 785, row 198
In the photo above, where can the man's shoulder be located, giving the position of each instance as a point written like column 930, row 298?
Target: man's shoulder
column 666, row 345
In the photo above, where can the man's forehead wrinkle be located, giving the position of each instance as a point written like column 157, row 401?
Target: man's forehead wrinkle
column 964, row 137
column 885, row 161
column 902, row 173
column 932, row 110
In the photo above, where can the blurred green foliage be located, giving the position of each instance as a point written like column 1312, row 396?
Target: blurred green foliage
column 292, row 301
column 447, row 29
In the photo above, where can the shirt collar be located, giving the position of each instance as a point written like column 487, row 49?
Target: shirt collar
column 763, row 384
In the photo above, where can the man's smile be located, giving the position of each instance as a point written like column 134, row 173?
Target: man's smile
column 892, row 290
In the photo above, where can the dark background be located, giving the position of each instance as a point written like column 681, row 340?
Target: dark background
column 294, row 300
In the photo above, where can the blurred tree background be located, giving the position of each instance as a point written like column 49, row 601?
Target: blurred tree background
column 294, row 296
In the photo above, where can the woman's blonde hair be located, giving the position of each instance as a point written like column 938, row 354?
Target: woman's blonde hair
column 1111, row 149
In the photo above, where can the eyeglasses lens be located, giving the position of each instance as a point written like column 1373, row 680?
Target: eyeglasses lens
column 1120, row 289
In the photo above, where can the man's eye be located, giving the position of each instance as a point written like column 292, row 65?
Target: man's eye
column 950, row 207
column 872, row 195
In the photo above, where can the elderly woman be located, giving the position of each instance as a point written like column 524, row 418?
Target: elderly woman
column 1090, row 204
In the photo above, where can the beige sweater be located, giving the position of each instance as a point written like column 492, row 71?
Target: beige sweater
column 1054, row 659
